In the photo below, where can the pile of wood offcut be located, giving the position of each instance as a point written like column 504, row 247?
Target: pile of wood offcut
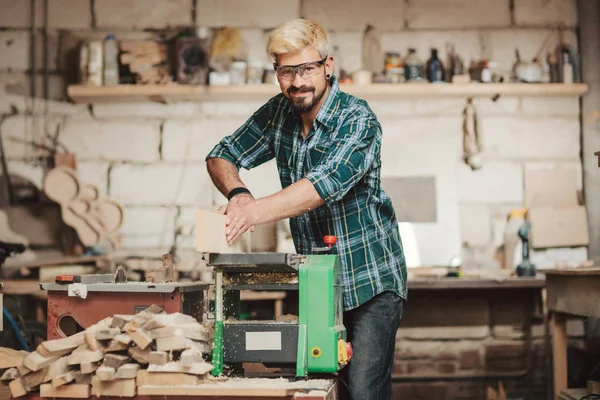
column 113, row 358
column 147, row 60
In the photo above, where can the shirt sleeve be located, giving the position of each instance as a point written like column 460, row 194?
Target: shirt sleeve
column 349, row 157
column 250, row 145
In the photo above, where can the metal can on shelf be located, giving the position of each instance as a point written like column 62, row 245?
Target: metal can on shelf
column 238, row 72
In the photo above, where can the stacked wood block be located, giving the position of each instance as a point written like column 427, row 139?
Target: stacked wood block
column 113, row 357
column 147, row 60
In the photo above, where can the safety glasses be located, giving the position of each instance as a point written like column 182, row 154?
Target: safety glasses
column 307, row 69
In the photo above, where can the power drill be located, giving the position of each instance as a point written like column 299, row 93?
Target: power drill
column 525, row 268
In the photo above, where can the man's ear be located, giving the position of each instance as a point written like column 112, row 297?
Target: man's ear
column 329, row 64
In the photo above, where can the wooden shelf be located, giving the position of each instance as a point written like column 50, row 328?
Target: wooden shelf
column 176, row 93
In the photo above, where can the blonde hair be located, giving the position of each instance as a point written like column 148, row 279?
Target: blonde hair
column 296, row 35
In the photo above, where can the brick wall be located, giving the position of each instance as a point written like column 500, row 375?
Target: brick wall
column 150, row 156
column 125, row 149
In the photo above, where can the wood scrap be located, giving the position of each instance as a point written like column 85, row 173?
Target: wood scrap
column 158, row 357
column 127, row 371
column 34, row 379
column 120, row 387
column 123, row 338
column 17, row 388
column 60, row 367
column 99, row 360
column 10, row 374
column 114, row 360
column 164, row 273
column 147, row 61
column 107, row 334
column 88, row 367
column 92, row 341
column 116, row 346
column 62, row 346
column 71, row 391
column 63, row 379
column 35, row 361
column 175, row 319
column 141, row 337
column 105, row 373
column 140, row 355
column 189, row 331
column 201, row 368
column 145, row 378
column 11, row 358
column 85, row 379
column 190, row 356
column 85, row 356
column 119, row 320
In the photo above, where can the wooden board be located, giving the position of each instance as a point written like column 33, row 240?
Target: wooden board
column 573, row 271
column 574, row 294
column 211, row 238
column 175, row 92
column 202, row 390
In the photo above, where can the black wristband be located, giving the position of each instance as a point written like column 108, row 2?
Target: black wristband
column 236, row 191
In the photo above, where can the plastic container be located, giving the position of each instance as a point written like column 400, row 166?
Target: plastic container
column 413, row 67
column 95, row 54
column 111, row 61
column 238, row 72
column 512, row 242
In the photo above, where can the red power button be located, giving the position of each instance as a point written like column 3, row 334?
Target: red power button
column 330, row 240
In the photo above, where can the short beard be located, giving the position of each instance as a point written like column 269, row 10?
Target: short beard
column 299, row 105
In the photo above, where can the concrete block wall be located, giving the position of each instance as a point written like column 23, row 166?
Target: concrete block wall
column 127, row 148
column 151, row 156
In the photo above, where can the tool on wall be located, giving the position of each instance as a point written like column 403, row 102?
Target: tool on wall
column 525, row 268
column 471, row 145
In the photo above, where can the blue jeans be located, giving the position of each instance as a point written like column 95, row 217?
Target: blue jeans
column 371, row 329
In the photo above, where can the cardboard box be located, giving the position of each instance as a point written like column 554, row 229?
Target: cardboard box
column 557, row 219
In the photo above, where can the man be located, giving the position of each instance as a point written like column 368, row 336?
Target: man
column 327, row 147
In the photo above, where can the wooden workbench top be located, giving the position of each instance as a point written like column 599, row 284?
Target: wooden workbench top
column 574, row 271
column 476, row 283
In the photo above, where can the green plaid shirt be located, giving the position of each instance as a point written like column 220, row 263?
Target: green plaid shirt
column 341, row 157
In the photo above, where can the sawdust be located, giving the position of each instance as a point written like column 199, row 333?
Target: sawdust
column 265, row 383
column 288, row 318
column 232, row 320
column 254, row 278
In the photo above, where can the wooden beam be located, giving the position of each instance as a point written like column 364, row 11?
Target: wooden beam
column 559, row 352
column 588, row 13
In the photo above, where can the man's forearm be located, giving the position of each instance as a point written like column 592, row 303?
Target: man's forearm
column 224, row 175
column 296, row 199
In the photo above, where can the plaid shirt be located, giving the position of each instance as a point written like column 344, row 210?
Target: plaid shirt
column 341, row 158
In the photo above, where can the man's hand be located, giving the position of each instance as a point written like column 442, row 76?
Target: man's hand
column 239, row 219
column 239, row 200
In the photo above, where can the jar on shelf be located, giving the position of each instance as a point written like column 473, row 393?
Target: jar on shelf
column 255, row 73
column 238, row 72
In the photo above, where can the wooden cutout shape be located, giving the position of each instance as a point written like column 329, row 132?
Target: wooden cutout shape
column 61, row 185
column 93, row 217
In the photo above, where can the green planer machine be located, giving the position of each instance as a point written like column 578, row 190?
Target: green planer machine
column 315, row 343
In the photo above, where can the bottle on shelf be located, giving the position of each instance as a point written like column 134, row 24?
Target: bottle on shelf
column 434, row 68
column 413, row 67
column 111, row 61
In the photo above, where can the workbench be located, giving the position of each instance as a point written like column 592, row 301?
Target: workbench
column 429, row 297
column 570, row 292
column 327, row 390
